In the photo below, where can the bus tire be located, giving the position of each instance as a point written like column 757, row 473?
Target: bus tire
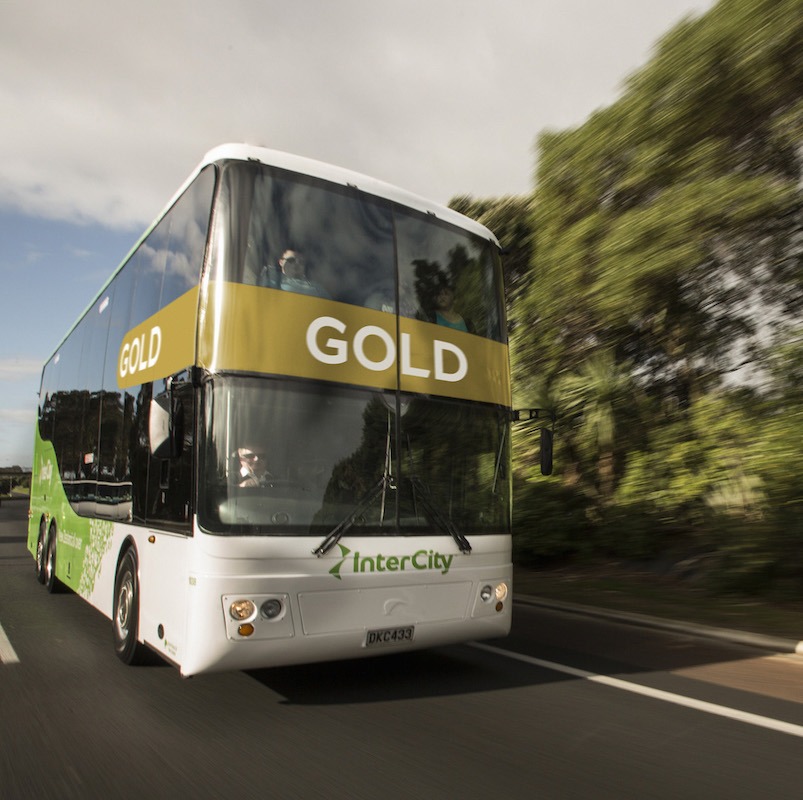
column 125, row 620
column 52, row 583
column 40, row 552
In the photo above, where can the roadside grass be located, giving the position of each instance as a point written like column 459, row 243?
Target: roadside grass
column 17, row 493
column 621, row 587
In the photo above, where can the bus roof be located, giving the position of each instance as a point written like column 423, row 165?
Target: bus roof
column 344, row 177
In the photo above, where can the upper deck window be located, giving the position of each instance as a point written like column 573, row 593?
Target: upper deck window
column 284, row 231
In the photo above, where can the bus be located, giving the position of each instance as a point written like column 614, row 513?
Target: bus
column 279, row 434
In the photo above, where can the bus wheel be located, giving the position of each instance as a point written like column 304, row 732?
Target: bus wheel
column 126, row 611
column 40, row 553
column 52, row 583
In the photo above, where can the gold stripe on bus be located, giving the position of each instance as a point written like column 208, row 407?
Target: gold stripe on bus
column 260, row 330
column 162, row 345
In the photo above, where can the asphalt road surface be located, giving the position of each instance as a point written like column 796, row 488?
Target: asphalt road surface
column 566, row 707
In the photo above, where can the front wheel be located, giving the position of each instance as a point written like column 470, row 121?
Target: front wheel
column 52, row 583
column 126, row 611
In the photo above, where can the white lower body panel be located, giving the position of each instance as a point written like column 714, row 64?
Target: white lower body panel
column 325, row 617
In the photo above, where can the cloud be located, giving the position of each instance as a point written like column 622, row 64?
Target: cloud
column 110, row 107
column 19, row 369
column 18, row 416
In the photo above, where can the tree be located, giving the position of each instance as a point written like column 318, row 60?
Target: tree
column 667, row 244
column 659, row 219
column 510, row 219
column 592, row 401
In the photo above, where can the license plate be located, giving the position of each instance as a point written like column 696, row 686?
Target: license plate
column 389, row 636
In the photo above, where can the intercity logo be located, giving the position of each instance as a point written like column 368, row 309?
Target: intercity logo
column 420, row 560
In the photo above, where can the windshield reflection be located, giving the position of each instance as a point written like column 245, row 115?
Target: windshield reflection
column 287, row 457
column 284, row 231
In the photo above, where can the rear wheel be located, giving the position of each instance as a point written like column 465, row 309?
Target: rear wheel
column 126, row 611
column 52, row 583
column 40, row 552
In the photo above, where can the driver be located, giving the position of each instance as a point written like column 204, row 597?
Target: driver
column 253, row 469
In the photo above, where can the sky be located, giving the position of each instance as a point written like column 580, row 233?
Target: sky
column 108, row 106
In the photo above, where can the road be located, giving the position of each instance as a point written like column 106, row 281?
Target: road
column 566, row 707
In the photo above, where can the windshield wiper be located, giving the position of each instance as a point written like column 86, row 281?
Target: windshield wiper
column 386, row 482
column 443, row 521
column 334, row 536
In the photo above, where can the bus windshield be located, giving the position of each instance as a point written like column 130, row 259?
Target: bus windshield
column 291, row 457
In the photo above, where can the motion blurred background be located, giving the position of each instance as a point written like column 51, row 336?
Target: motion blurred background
column 654, row 270
column 655, row 305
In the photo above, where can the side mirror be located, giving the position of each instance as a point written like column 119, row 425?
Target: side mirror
column 546, row 451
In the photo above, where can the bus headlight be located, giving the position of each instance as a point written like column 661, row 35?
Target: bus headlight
column 496, row 592
column 259, row 616
column 242, row 609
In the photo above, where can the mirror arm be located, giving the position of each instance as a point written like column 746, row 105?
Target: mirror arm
column 529, row 414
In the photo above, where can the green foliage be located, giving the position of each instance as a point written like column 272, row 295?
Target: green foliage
column 549, row 523
column 667, row 238
column 510, row 219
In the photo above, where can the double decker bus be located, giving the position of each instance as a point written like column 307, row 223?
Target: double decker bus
column 280, row 432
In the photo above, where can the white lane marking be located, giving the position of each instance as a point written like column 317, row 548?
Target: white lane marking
column 7, row 654
column 657, row 694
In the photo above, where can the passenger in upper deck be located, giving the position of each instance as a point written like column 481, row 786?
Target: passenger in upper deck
column 294, row 276
column 445, row 313
column 290, row 274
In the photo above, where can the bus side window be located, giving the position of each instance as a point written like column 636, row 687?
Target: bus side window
column 170, row 479
column 186, row 241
